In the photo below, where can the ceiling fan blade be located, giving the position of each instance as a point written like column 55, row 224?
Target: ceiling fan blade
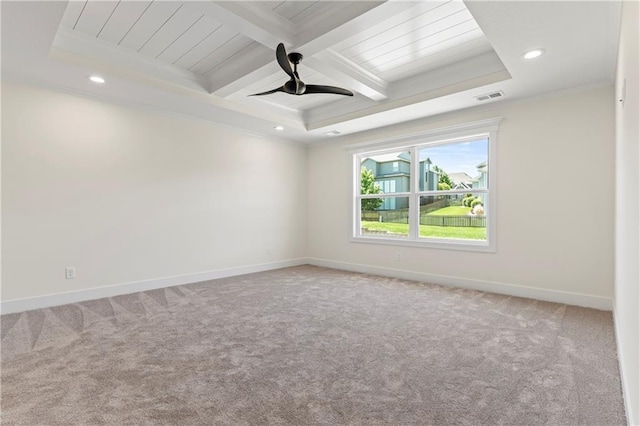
column 283, row 60
column 268, row 92
column 314, row 88
column 295, row 86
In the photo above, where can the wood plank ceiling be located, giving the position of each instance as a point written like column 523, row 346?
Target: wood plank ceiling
column 189, row 37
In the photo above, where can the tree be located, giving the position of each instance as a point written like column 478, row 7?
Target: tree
column 443, row 179
column 368, row 186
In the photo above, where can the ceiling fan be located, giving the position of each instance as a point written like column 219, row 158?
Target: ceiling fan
column 295, row 86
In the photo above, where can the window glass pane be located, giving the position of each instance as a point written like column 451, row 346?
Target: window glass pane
column 417, row 176
column 454, row 216
column 385, row 217
column 458, row 165
column 386, row 173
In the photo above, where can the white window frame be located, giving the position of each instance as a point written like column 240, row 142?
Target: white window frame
column 414, row 142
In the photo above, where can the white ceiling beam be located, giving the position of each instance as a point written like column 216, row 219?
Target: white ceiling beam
column 348, row 73
column 268, row 28
column 253, row 64
column 259, row 73
column 316, row 44
column 257, row 23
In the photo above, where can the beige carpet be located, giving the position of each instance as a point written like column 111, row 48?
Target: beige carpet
column 310, row 346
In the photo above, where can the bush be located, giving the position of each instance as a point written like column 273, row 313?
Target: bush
column 475, row 202
column 468, row 200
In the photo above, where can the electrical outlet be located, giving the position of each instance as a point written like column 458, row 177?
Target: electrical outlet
column 398, row 257
column 269, row 251
column 70, row 272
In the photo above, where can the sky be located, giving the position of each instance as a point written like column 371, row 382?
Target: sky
column 458, row 157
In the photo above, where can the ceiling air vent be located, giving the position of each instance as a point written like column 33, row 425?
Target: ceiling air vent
column 488, row 96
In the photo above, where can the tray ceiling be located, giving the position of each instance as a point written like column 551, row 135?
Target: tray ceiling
column 212, row 44
column 396, row 56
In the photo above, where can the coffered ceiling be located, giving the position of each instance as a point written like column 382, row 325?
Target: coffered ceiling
column 402, row 59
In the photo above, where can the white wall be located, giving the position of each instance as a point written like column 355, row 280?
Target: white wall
column 555, row 205
column 125, row 195
column 627, row 241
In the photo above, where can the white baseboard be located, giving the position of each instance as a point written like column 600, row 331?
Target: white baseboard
column 623, row 376
column 576, row 299
column 20, row 305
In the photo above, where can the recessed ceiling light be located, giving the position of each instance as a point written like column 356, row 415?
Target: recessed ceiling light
column 279, row 128
column 532, row 54
column 96, row 79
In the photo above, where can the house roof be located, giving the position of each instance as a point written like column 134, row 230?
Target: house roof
column 460, row 177
column 385, row 158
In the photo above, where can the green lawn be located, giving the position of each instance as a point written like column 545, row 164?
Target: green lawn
column 451, row 211
column 394, row 228
column 399, row 229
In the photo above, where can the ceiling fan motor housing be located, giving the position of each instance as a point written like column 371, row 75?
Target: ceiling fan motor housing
column 294, row 87
column 295, row 57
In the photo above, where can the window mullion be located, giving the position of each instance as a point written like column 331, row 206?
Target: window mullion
column 356, row 222
column 383, row 195
column 456, row 192
column 414, row 204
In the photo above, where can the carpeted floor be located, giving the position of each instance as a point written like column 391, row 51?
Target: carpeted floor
column 307, row 346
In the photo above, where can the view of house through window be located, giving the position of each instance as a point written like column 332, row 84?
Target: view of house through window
column 431, row 192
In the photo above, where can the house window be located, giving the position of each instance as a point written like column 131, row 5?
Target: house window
column 388, row 186
column 424, row 205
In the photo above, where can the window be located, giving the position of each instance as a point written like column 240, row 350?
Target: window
column 434, row 189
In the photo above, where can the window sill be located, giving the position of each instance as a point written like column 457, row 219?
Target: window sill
column 431, row 243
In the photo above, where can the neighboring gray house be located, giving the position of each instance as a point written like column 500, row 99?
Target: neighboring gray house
column 392, row 174
column 428, row 178
column 481, row 181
